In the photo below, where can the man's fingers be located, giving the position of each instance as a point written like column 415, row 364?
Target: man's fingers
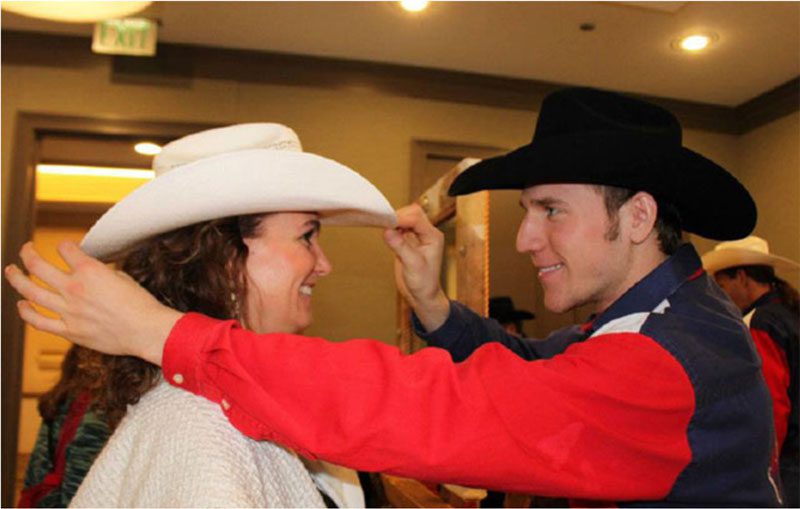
column 73, row 255
column 41, row 268
column 39, row 321
column 32, row 291
column 405, row 252
column 413, row 218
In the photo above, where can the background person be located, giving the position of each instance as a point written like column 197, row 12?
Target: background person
column 78, row 415
column 636, row 409
column 235, row 235
column 746, row 270
column 502, row 309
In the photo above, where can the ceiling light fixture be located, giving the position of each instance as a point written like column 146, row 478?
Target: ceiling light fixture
column 695, row 42
column 74, row 12
column 414, row 5
column 147, row 149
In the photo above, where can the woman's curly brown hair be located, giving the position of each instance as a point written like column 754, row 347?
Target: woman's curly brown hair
column 196, row 268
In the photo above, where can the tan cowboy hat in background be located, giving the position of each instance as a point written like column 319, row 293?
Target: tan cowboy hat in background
column 237, row 170
column 750, row 250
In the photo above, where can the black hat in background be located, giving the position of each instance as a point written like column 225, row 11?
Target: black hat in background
column 589, row 136
column 502, row 310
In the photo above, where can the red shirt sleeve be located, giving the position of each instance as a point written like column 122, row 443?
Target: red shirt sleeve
column 607, row 419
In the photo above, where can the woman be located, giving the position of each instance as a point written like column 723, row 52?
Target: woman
column 229, row 227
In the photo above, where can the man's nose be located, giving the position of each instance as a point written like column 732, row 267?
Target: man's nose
column 529, row 236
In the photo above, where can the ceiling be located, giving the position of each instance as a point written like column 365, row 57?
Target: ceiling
column 629, row 50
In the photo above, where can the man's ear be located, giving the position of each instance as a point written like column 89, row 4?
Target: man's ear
column 642, row 212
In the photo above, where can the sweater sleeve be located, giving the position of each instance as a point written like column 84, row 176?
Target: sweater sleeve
column 605, row 420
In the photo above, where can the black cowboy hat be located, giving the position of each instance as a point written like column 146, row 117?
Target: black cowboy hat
column 502, row 310
column 588, row 136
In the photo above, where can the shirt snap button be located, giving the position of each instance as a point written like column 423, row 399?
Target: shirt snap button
column 177, row 378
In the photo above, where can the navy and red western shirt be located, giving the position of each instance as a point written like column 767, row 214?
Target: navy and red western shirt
column 775, row 330
column 658, row 401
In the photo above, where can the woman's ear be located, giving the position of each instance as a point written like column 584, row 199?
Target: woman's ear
column 642, row 212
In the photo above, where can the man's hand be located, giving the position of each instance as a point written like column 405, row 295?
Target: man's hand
column 98, row 307
column 419, row 246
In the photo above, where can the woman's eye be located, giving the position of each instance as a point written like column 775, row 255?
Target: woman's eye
column 307, row 236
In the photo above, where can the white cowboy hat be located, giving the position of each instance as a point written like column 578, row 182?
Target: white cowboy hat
column 236, row 170
column 750, row 250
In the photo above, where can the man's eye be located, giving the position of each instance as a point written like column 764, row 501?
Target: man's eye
column 550, row 211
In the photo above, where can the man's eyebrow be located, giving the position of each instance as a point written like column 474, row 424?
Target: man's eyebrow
column 546, row 201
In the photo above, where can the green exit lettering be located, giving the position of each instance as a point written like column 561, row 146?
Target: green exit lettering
column 125, row 36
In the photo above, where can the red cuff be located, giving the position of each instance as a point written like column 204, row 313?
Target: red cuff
column 185, row 353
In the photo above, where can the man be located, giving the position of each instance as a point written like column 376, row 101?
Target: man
column 636, row 407
column 746, row 270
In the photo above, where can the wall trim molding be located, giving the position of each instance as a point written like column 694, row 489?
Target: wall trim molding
column 176, row 65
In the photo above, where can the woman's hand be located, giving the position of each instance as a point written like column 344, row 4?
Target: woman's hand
column 98, row 307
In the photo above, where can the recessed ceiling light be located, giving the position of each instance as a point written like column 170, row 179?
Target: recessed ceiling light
column 695, row 42
column 147, row 149
column 414, row 5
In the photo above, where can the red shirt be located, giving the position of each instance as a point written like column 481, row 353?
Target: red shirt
column 605, row 420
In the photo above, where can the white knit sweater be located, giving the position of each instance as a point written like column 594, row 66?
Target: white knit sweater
column 175, row 449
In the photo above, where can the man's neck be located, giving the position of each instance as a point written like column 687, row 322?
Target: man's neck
column 647, row 259
column 756, row 290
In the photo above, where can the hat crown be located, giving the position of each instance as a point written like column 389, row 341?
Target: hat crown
column 750, row 243
column 586, row 110
column 500, row 304
column 502, row 308
column 224, row 140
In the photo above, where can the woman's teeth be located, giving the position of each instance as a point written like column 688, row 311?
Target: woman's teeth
column 306, row 290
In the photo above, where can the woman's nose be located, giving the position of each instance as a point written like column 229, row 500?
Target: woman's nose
column 323, row 266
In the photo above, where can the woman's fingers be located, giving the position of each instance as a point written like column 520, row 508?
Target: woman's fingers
column 39, row 321
column 41, row 268
column 33, row 292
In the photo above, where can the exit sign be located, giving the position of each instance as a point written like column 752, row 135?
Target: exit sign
column 130, row 36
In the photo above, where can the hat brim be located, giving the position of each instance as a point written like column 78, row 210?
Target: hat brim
column 720, row 259
column 711, row 202
column 239, row 183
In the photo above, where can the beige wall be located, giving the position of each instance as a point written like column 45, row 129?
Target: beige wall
column 769, row 163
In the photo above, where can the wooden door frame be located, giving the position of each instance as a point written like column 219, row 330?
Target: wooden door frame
column 471, row 213
column 20, row 221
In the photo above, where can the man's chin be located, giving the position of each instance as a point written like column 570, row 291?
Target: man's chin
column 559, row 307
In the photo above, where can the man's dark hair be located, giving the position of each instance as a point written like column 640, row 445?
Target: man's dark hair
column 765, row 274
column 668, row 224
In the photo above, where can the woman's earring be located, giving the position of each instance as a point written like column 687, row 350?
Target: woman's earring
column 235, row 307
